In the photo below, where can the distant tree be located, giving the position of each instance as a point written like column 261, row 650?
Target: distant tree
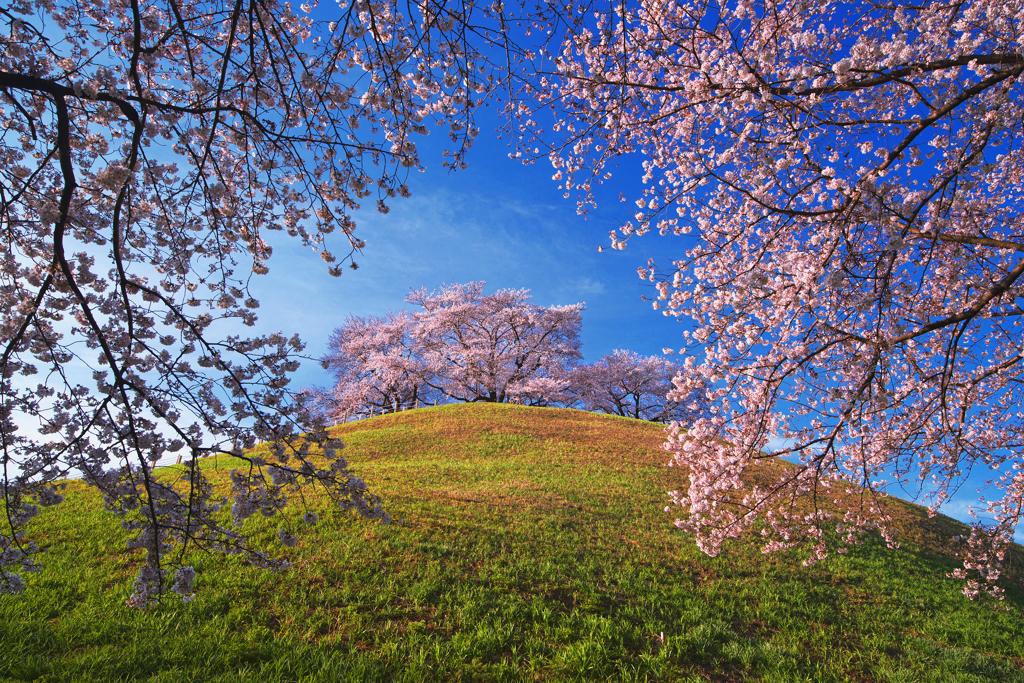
column 495, row 347
column 625, row 383
column 378, row 367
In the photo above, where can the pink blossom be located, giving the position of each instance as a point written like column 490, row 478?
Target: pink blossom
column 855, row 279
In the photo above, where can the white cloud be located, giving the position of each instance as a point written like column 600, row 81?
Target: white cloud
column 590, row 286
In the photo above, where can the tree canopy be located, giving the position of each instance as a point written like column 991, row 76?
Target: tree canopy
column 463, row 346
column 378, row 367
column 467, row 346
column 628, row 384
column 147, row 151
column 496, row 347
column 849, row 174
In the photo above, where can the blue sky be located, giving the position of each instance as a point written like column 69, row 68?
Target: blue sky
column 499, row 221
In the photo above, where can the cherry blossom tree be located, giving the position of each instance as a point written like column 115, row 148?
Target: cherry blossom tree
column 628, row 384
column 497, row 347
column 148, row 151
column 850, row 178
column 378, row 367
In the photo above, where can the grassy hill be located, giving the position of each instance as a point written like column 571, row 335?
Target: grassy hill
column 534, row 548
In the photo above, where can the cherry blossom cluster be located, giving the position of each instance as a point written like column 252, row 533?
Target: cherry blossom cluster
column 984, row 564
column 850, row 178
column 148, row 152
column 463, row 345
column 628, row 384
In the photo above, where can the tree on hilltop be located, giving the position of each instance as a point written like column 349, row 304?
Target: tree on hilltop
column 495, row 348
column 464, row 346
column 468, row 347
column 627, row 384
column 378, row 367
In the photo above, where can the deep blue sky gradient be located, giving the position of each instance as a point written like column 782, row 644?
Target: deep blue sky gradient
column 499, row 221
column 505, row 223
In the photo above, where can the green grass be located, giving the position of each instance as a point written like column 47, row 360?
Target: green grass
column 534, row 547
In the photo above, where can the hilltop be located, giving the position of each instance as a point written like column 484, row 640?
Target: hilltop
column 534, row 547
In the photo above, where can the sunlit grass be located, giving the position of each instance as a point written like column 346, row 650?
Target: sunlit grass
column 534, row 547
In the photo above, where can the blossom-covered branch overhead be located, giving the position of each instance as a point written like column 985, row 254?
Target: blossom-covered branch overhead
column 849, row 175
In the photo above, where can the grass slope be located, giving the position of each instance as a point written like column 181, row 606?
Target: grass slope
column 534, row 548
